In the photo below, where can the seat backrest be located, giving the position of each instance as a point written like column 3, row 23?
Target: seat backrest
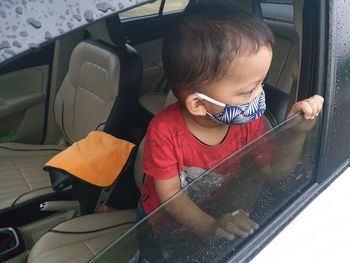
column 103, row 79
column 88, row 90
column 102, row 87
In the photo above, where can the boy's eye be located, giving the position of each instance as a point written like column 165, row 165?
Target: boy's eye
column 250, row 92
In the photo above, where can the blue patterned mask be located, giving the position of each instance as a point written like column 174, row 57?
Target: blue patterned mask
column 238, row 115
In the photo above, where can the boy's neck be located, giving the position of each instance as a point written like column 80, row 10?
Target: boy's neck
column 204, row 129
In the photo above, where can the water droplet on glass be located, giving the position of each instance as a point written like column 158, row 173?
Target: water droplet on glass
column 121, row 6
column 11, row 36
column 77, row 10
column 33, row 45
column 69, row 25
column 61, row 30
column 3, row 13
column 10, row 51
column 4, row 44
column 19, row 10
column 35, row 23
column 89, row 16
column 104, row 7
column 23, row 34
column 14, row 28
column 62, row 17
column 77, row 17
column 67, row 12
column 48, row 35
column 17, row 44
column 24, row 2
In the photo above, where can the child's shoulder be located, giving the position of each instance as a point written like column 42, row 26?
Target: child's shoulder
column 167, row 118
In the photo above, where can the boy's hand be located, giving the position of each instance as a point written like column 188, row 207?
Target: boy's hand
column 311, row 107
column 235, row 223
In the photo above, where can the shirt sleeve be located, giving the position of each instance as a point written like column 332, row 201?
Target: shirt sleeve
column 159, row 157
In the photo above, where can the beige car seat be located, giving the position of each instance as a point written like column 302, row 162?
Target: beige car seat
column 83, row 102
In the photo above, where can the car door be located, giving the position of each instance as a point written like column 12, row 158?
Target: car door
column 23, row 92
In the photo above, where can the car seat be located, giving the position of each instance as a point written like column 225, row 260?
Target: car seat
column 81, row 238
column 103, row 76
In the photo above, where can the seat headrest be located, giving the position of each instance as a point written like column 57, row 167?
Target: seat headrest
column 100, row 31
column 93, row 67
column 109, row 31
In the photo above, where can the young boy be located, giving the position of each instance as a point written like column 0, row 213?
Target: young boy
column 215, row 59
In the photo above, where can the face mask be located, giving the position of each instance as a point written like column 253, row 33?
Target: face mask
column 238, row 115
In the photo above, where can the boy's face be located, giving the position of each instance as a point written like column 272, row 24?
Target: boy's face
column 242, row 82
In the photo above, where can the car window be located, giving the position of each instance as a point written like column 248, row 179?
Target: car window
column 154, row 9
column 28, row 25
column 143, row 10
column 238, row 182
column 174, row 5
column 278, row 12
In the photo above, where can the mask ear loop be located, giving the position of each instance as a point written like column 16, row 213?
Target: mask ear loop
column 205, row 97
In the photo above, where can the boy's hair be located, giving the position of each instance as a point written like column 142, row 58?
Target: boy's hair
column 206, row 39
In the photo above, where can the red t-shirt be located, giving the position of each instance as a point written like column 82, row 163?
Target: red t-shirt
column 172, row 150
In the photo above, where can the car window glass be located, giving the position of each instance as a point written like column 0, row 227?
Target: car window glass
column 174, row 5
column 144, row 10
column 238, row 182
column 278, row 12
column 28, row 25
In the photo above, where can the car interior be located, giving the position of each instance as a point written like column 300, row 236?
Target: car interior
column 106, row 77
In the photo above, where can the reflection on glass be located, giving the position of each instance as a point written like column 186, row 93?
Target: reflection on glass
column 238, row 182
column 174, row 5
column 143, row 10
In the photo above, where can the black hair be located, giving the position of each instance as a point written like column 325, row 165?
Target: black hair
column 205, row 40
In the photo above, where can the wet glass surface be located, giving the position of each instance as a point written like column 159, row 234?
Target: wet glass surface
column 242, row 181
column 27, row 24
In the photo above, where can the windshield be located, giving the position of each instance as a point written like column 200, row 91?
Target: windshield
column 238, row 182
column 26, row 25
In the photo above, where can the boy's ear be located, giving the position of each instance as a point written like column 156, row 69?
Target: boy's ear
column 195, row 105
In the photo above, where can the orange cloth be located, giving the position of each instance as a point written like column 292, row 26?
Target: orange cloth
column 97, row 159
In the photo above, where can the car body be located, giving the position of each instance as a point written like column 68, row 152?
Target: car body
column 311, row 36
